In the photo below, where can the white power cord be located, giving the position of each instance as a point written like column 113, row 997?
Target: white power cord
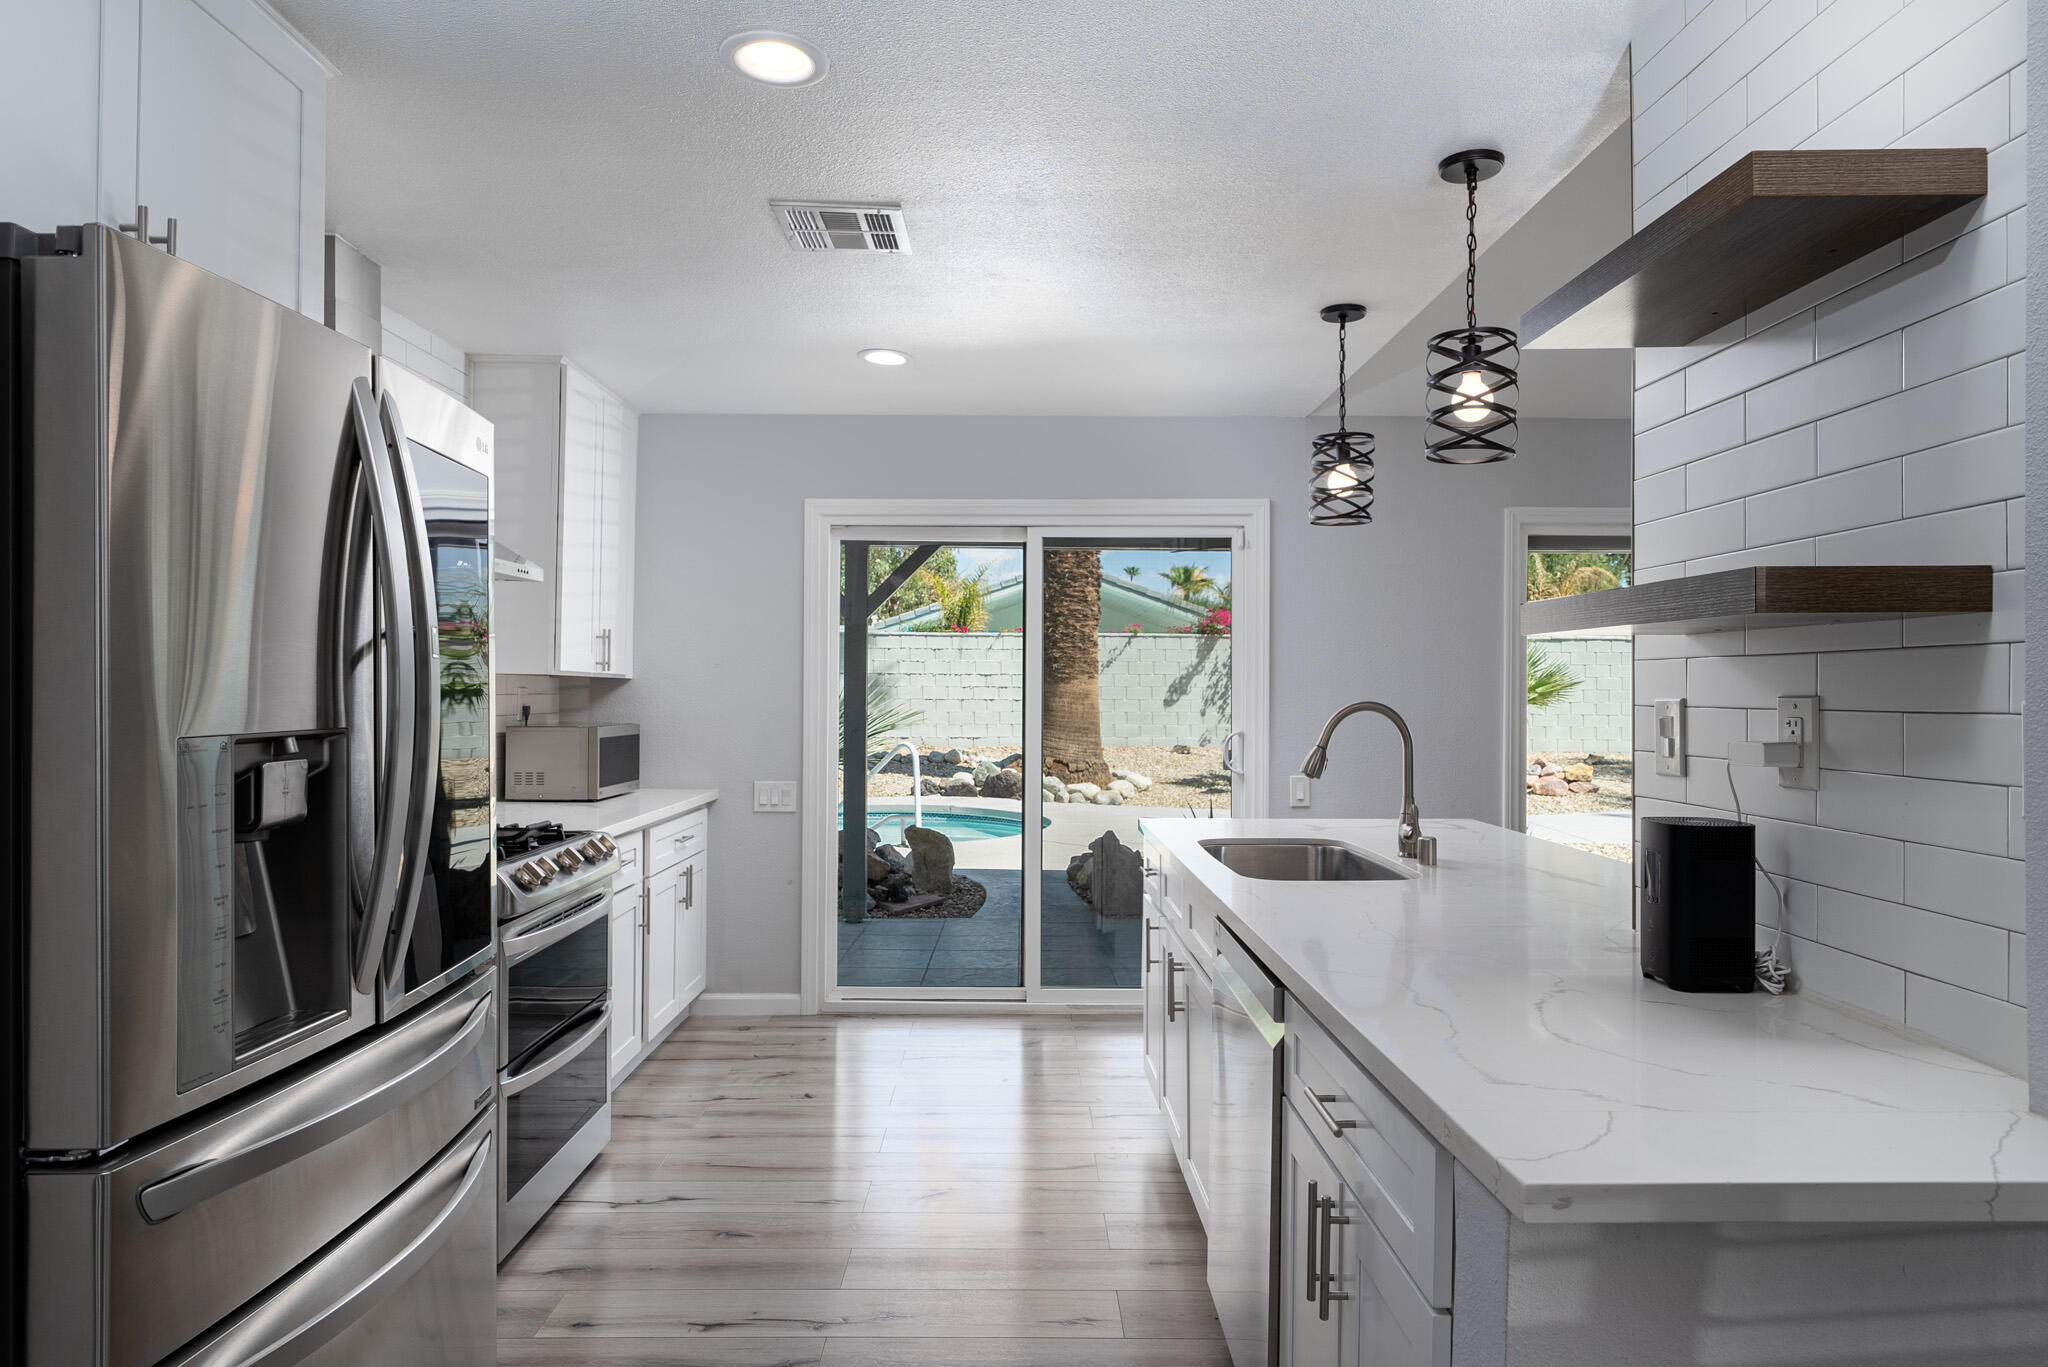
column 1773, row 974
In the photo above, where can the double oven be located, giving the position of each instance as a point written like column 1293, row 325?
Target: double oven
column 554, row 1011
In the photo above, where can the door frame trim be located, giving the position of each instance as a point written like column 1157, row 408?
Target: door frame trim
column 823, row 520
column 1521, row 524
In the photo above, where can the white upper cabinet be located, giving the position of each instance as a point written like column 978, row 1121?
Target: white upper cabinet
column 564, row 499
column 211, row 113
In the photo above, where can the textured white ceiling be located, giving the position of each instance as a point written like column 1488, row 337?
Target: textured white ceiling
column 1117, row 208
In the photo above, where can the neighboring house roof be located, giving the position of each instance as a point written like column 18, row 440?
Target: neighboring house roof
column 1123, row 603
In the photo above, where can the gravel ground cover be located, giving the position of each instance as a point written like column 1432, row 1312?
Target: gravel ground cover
column 1195, row 779
column 1614, row 773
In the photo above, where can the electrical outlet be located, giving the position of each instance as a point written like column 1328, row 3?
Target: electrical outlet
column 774, row 795
column 1799, row 723
column 1297, row 790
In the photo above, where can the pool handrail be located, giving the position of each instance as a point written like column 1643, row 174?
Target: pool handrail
column 916, row 777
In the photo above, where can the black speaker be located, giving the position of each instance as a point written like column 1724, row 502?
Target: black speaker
column 1698, row 923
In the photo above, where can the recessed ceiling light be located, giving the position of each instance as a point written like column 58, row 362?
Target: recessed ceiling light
column 881, row 355
column 774, row 58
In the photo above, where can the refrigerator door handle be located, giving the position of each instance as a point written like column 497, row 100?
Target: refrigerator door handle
column 426, row 684
column 356, row 1275
column 390, row 867
column 181, row 1191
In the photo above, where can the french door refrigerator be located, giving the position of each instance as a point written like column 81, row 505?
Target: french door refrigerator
column 251, row 1092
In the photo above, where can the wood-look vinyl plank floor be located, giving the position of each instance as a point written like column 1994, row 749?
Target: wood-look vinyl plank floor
column 927, row 1191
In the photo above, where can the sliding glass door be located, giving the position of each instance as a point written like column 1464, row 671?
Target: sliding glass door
column 1012, row 701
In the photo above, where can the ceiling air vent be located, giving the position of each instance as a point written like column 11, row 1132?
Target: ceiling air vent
column 843, row 227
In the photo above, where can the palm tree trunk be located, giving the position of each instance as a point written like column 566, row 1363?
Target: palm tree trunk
column 1073, row 669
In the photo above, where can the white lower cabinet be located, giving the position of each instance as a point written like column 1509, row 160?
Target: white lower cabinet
column 1155, row 1000
column 1185, row 1050
column 659, row 936
column 664, row 928
column 627, row 1039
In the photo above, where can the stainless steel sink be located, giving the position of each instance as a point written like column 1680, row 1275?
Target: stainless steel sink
column 1299, row 860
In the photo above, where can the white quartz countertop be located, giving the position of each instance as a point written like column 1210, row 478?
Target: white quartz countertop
column 614, row 815
column 1498, row 997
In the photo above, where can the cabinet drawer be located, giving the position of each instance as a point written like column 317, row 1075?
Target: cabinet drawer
column 1395, row 1325
column 1401, row 1175
column 632, row 861
column 676, row 840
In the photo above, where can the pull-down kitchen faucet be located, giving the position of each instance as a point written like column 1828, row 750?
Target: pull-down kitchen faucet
column 1412, row 843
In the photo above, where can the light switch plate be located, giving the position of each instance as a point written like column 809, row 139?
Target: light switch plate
column 774, row 795
column 1670, row 737
column 1297, row 790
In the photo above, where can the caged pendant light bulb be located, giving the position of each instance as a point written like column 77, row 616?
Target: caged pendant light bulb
column 1471, row 394
column 1341, row 488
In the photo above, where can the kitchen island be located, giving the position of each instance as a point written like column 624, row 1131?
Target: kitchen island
column 1583, row 1164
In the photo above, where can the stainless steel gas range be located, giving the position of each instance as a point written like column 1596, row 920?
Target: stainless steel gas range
column 554, row 1008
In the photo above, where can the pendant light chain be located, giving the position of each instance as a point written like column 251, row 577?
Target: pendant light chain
column 1342, row 372
column 1471, row 247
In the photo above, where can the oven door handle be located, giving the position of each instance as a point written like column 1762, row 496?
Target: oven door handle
column 558, row 1056
column 169, row 1196
column 521, row 947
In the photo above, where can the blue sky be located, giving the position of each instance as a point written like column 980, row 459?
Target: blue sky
column 1003, row 561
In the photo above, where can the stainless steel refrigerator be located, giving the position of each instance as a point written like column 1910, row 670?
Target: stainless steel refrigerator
column 250, row 955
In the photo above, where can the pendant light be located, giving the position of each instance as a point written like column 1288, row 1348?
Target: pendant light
column 1470, row 400
column 1342, row 485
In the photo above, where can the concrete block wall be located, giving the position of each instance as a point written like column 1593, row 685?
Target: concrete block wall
column 1874, row 417
column 1595, row 717
column 1156, row 689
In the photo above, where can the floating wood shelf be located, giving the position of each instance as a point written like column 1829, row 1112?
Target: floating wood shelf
column 1766, row 226
column 1769, row 596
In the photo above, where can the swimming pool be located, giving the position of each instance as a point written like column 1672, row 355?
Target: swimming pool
column 960, row 825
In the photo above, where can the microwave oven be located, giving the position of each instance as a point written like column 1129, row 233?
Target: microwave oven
column 570, row 763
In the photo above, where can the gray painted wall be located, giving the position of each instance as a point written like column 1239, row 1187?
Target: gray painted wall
column 1407, row 610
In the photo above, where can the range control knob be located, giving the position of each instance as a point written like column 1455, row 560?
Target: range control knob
column 542, row 868
column 568, row 859
column 525, row 878
column 610, row 846
column 591, row 849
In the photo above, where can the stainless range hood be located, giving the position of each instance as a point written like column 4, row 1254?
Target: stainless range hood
column 507, row 563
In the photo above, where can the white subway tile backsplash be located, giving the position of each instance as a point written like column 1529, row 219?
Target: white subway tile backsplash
column 1690, row 437
column 1871, row 417
column 1963, row 816
column 1803, row 55
column 1870, row 742
column 1766, row 356
column 1966, row 63
column 1960, row 952
column 1659, row 403
column 1971, row 265
column 1824, row 971
column 1786, row 458
column 1657, row 28
column 1894, row 48
column 1705, row 531
column 1660, row 495
column 1649, row 783
column 1968, row 536
column 1854, row 377
column 1801, row 909
column 1854, row 498
column 1985, row 329
column 1950, row 408
column 1877, row 120
column 1747, row 680
column 1982, row 469
column 1982, row 747
column 1930, row 679
column 1977, row 887
column 1985, row 1027
column 2016, row 980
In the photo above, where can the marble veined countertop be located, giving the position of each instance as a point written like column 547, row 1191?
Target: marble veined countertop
column 613, row 815
column 1498, row 997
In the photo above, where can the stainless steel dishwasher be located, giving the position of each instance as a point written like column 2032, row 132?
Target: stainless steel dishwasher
column 1244, row 1136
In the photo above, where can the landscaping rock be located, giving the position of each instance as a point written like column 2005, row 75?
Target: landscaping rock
column 931, row 859
column 1116, row 877
column 1082, row 792
column 932, row 787
column 951, row 757
column 961, row 785
column 874, row 838
column 1578, row 773
column 877, row 870
column 1052, row 785
column 1183, row 749
column 1108, row 798
column 1004, row 783
column 1581, row 786
column 1124, row 788
column 1011, row 761
column 1079, row 869
column 1137, row 781
column 892, row 858
column 1550, row 787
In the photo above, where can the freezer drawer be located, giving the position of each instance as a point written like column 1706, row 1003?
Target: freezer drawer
column 137, row 1255
column 416, row 1282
